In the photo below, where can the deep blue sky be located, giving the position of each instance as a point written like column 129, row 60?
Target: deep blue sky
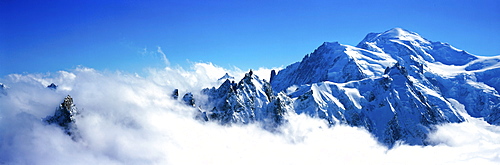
column 47, row 36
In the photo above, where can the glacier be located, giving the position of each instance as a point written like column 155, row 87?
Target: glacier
column 396, row 84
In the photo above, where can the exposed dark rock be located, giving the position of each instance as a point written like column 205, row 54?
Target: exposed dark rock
column 188, row 99
column 175, row 94
column 64, row 116
column 2, row 90
column 273, row 73
column 52, row 86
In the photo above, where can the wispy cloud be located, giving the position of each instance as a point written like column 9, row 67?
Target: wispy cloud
column 163, row 56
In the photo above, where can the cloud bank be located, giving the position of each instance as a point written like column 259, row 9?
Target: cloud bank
column 129, row 119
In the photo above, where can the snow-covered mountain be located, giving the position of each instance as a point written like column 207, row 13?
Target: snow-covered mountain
column 396, row 84
column 252, row 99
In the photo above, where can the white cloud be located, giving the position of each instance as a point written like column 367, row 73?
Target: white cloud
column 265, row 73
column 127, row 119
column 163, row 56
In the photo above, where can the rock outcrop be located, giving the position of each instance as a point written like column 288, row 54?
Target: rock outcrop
column 64, row 117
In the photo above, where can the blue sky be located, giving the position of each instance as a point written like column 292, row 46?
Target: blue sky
column 47, row 36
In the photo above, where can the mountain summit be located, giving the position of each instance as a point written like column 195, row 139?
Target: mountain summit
column 396, row 84
column 402, row 43
column 395, row 34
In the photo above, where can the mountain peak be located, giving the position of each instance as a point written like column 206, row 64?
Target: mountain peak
column 397, row 32
column 64, row 116
column 394, row 34
column 226, row 76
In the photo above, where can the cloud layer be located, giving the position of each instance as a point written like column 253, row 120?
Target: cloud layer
column 128, row 119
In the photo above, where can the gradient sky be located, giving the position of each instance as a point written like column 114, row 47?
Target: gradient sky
column 47, row 36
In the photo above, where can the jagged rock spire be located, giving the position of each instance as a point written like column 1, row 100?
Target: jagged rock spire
column 64, row 116
column 175, row 94
column 68, row 102
column 273, row 74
